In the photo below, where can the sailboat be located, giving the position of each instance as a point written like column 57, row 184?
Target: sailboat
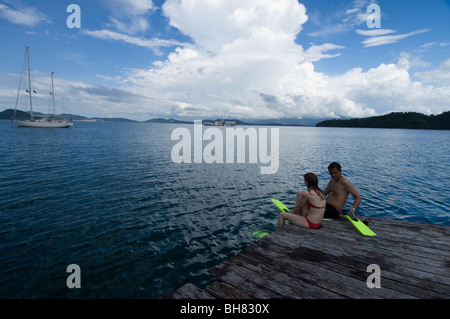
column 48, row 122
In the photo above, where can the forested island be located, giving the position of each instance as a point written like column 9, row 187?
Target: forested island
column 403, row 120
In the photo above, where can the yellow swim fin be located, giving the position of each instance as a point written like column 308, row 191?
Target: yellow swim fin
column 363, row 229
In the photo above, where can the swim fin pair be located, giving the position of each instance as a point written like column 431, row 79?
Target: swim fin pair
column 359, row 225
column 280, row 205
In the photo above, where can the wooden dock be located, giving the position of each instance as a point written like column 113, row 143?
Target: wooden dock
column 331, row 262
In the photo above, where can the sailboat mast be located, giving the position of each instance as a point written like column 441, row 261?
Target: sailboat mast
column 29, row 82
column 53, row 97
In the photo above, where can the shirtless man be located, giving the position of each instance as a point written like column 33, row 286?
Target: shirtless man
column 338, row 190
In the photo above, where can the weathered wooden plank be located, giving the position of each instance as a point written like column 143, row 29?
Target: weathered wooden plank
column 295, row 287
column 262, row 283
column 332, row 263
column 350, row 257
column 188, row 291
column 254, row 288
column 324, row 270
column 396, row 228
column 357, row 276
column 424, row 235
column 433, row 263
column 317, row 280
column 410, row 232
column 222, row 290
column 355, row 246
column 409, row 251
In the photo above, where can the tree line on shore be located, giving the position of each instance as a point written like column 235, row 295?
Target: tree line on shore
column 402, row 120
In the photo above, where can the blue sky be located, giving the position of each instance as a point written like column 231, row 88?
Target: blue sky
column 195, row 59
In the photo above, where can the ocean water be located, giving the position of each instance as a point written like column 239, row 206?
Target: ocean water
column 108, row 197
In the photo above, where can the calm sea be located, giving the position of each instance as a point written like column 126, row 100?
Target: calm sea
column 107, row 197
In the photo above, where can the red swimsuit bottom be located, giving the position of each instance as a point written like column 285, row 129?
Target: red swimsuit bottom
column 311, row 225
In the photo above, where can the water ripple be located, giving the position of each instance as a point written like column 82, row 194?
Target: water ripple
column 108, row 197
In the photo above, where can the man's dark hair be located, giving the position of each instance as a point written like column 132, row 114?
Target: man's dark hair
column 334, row 165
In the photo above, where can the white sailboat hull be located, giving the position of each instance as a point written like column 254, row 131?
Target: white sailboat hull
column 48, row 122
column 44, row 123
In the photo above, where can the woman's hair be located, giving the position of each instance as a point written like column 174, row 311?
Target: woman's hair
column 312, row 180
column 313, row 183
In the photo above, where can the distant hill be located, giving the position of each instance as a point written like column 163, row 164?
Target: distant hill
column 273, row 122
column 21, row 115
column 9, row 113
column 238, row 122
column 288, row 122
column 112, row 119
column 74, row 117
column 247, row 122
column 168, row 121
column 404, row 120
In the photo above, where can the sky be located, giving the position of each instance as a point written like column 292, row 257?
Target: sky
column 246, row 59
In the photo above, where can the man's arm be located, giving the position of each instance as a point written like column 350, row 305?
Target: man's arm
column 352, row 190
column 327, row 189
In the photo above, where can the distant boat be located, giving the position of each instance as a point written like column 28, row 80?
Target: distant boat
column 220, row 123
column 48, row 122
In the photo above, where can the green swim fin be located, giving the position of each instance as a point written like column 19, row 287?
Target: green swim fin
column 260, row 234
column 284, row 209
column 363, row 229
column 280, row 206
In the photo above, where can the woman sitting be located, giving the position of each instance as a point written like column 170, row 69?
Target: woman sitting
column 310, row 206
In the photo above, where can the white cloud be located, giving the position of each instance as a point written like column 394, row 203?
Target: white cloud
column 375, row 32
column 342, row 20
column 408, row 61
column 316, row 52
column 131, row 16
column 134, row 7
column 376, row 40
column 244, row 62
column 440, row 75
column 27, row 16
column 153, row 44
column 358, row 14
column 389, row 87
column 212, row 24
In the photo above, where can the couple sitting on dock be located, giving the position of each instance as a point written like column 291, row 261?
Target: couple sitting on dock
column 314, row 205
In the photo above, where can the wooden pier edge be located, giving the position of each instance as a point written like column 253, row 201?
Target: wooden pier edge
column 332, row 263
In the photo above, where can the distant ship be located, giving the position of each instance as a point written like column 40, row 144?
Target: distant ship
column 220, row 123
column 48, row 122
